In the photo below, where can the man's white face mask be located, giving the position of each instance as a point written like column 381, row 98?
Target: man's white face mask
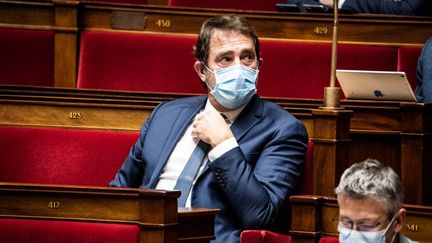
column 235, row 85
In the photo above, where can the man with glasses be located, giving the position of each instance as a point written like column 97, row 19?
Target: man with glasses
column 370, row 202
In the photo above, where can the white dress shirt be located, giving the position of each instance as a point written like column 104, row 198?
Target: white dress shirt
column 184, row 148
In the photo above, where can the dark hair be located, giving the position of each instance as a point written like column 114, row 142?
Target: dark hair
column 224, row 23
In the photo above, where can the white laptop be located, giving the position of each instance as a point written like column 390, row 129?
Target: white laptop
column 375, row 85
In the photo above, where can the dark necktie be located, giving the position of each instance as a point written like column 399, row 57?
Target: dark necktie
column 184, row 182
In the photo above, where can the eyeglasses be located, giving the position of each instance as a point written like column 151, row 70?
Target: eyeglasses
column 362, row 226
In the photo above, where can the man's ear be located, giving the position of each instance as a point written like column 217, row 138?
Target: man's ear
column 399, row 218
column 200, row 70
column 260, row 63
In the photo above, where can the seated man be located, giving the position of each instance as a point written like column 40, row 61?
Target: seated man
column 370, row 202
column 230, row 149
column 423, row 90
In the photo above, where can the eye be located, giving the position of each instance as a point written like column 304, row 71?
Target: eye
column 225, row 61
column 248, row 59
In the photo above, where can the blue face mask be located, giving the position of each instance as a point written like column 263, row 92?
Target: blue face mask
column 235, row 85
column 348, row 235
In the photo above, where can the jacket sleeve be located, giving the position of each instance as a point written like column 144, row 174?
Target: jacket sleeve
column 404, row 7
column 131, row 172
column 423, row 89
column 258, row 190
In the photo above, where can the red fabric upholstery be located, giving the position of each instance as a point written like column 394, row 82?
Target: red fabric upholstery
column 120, row 1
column 263, row 236
column 138, row 62
column 329, row 240
column 258, row 5
column 407, row 62
column 62, row 156
column 306, row 186
column 251, row 236
column 49, row 231
column 27, row 57
column 302, row 70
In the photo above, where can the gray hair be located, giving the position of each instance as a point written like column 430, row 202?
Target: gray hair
column 371, row 179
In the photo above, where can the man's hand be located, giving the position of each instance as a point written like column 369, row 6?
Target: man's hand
column 210, row 127
column 327, row 2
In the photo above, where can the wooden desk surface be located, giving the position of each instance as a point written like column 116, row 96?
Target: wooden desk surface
column 360, row 28
column 151, row 210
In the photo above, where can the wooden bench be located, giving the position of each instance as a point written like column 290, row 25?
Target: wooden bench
column 146, row 216
column 398, row 134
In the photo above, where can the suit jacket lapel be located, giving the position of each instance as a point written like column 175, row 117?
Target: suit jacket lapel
column 176, row 131
column 250, row 115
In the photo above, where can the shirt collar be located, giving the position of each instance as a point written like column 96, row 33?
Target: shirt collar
column 231, row 115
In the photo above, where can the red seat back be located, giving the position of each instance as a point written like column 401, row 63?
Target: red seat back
column 263, row 236
column 302, row 69
column 120, row 1
column 329, row 240
column 27, row 57
column 52, row 231
column 306, row 185
column 138, row 62
column 407, row 62
column 62, row 156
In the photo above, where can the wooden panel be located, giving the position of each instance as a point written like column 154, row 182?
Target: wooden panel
column 398, row 30
column 154, row 211
column 26, row 14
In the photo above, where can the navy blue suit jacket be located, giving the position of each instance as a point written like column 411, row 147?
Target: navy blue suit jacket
column 423, row 89
column 404, row 7
column 249, row 183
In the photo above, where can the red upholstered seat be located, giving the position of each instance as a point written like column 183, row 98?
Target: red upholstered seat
column 50, row 231
column 263, row 236
column 407, row 62
column 26, row 57
column 302, row 69
column 257, row 5
column 62, row 156
column 329, row 240
column 306, row 185
column 138, row 62
column 120, row 1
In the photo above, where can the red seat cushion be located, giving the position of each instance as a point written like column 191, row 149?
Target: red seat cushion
column 263, row 236
column 258, row 5
column 120, row 1
column 50, row 231
column 27, row 57
column 138, row 62
column 329, row 240
column 62, row 156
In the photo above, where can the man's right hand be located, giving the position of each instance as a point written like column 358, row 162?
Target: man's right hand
column 327, row 2
column 210, row 127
